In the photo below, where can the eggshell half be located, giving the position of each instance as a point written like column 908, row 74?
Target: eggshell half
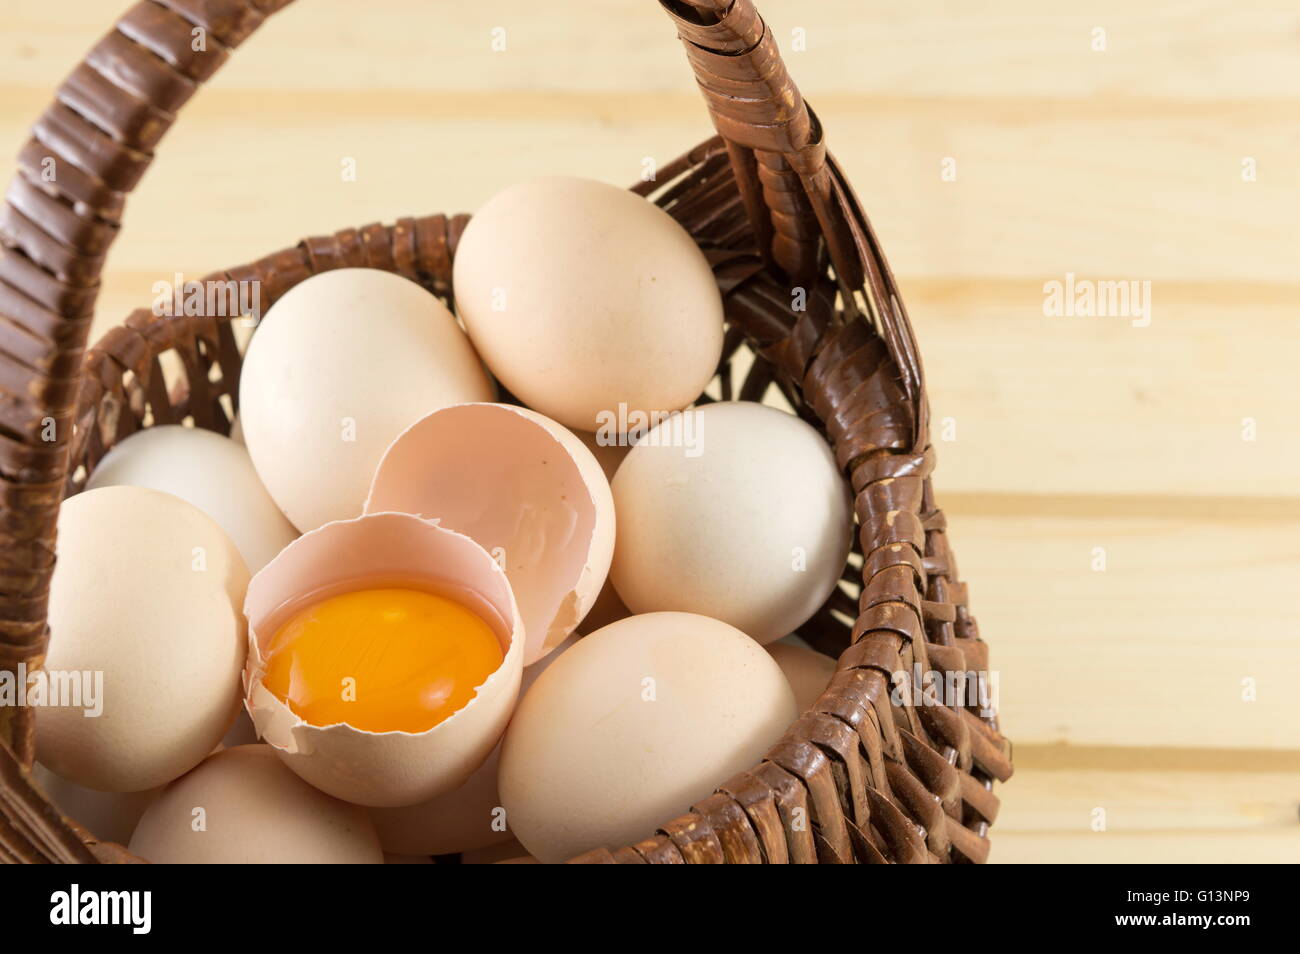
column 522, row 486
column 384, row 768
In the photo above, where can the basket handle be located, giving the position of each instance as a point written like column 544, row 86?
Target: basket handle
column 93, row 144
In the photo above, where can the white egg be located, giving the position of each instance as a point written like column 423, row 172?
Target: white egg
column 339, row 366
column 210, row 471
column 583, row 297
column 145, row 617
column 733, row 510
column 243, row 806
column 633, row 725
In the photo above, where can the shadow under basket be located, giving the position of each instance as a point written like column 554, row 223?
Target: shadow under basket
column 883, row 768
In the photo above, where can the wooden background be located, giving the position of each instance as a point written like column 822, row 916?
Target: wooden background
column 1122, row 687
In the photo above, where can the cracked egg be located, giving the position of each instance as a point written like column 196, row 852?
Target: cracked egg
column 524, row 488
column 385, row 655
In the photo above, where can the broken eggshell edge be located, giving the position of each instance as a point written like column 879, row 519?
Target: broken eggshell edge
column 385, row 769
column 407, row 480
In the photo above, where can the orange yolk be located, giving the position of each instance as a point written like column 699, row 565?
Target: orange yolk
column 381, row 660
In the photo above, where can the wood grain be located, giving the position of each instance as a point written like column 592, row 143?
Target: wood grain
column 1056, row 435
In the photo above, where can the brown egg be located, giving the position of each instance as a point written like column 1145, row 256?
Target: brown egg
column 583, row 298
column 633, row 725
column 243, row 806
column 145, row 608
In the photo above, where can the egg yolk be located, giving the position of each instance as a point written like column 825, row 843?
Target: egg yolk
column 381, row 660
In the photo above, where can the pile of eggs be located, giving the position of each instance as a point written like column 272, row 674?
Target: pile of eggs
column 392, row 618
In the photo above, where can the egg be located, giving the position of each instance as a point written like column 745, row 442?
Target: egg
column 734, row 510
column 633, row 725
column 144, row 615
column 109, row 816
column 210, row 471
column 338, row 367
column 370, row 766
column 584, row 298
column 525, row 489
column 808, row 671
column 243, row 806
column 467, row 818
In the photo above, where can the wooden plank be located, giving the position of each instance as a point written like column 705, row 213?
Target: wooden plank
column 1175, row 806
column 1161, row 648
column 1196, row 403
column 1069, row 790
column 1211, row 49
column 1041, row 189
column 1276, row 845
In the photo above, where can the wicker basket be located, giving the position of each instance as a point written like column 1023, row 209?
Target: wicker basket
column 861, row 777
